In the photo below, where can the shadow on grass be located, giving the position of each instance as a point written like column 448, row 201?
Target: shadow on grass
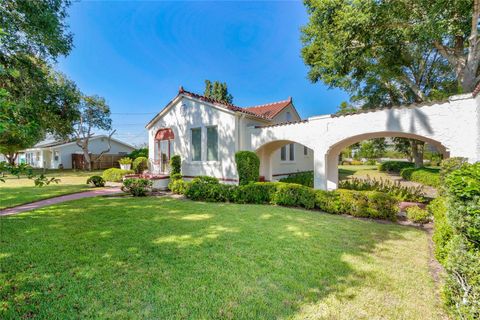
column 164, row 258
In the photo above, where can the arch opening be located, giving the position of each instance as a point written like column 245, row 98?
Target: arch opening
column 331, row 160
column 280, row 158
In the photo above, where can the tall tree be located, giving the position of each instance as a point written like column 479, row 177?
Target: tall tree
column 218, row 91
column 390, row 52
column 94, row 114
column 35, row 100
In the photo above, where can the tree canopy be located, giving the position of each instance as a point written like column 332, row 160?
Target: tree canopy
column 393, row 52
column 218, row 91
column 34, row 99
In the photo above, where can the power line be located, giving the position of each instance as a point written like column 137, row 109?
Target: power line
column 132, row 113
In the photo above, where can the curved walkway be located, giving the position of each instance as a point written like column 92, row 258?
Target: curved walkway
column 59, row 199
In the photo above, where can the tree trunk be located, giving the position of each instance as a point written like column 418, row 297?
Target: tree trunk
column 11, row 157
column 417, row 152
column 86, row 160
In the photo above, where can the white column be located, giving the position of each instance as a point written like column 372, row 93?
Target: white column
column 319, row 169
column 265, row 163
column 332, row 170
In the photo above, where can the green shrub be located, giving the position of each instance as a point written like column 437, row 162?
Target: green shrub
column 393, row 188
column 256, row 192
column 356, row 163
column 395, row 166
column 418, row 215
column 142, row 152
column 140, row 164
column 177, row 184
column 209, row 189
column 459, row 243
column 137, row 187
column 125, row 160
column 328, row 201
column 371, row 162
column 426, row 176
column 175, row 165
column 463, row 188
column 303, row 178
column 294, row 195
column 442, row 232
column 248, row 166
column 464, row 183
column 367, row 204
column 462, row 283
column 115, row 174
column 451, row 164
column 97, row 181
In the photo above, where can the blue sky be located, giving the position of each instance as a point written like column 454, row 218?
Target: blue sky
column 137, row 54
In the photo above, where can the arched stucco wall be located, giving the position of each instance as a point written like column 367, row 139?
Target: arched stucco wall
column 331, row 157
column 454, row 124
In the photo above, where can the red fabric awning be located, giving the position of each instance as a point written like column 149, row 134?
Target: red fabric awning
column 164, row 134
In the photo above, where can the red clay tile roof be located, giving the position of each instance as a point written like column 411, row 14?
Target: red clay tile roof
column 264, row 112
column 270, row 110
column 220, row 103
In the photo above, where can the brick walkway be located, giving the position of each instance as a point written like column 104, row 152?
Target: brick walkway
column 60, row 199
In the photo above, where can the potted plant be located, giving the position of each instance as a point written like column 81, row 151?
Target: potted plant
column 125, row 163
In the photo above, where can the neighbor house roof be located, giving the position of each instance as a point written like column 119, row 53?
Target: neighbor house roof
column 56, row 143
column 263, row 112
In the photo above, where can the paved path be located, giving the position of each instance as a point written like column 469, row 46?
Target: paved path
column 60, row 199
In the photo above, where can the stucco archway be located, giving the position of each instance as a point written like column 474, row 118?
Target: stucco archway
column 266, row 151
column 333, row 152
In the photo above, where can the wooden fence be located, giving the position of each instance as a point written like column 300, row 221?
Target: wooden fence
column 105, row 162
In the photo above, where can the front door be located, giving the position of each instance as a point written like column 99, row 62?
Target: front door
column 164, row 155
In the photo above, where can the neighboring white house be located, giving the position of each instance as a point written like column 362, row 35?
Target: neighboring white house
column 207, row 133
column 58, row 154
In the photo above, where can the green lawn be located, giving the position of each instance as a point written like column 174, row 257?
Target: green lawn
column 159, row 258
column 362, row 171
column 16, row 191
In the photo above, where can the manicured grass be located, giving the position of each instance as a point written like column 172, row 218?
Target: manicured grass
column 345, row 172
column 159, row 258
column 15, row 191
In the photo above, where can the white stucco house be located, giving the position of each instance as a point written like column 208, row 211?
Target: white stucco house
column 207, row 133
column 58, row 154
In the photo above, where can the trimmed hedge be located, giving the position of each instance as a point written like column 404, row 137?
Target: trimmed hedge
column 457, row 237
column 175, row 165
column 294, row 195
column 209, row 189
column 367, row 204
column 115, row 174
column 248, row 167
column 426, row 176
column 395, row 166
column 442, row 232
column 303, row 178
column 256, row 192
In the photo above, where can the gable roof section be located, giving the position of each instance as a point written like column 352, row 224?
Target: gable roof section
column 59, row 143
column 270, row 110
column 263, row 112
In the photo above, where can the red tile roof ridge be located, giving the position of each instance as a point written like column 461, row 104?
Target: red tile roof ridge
column 289, row 100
